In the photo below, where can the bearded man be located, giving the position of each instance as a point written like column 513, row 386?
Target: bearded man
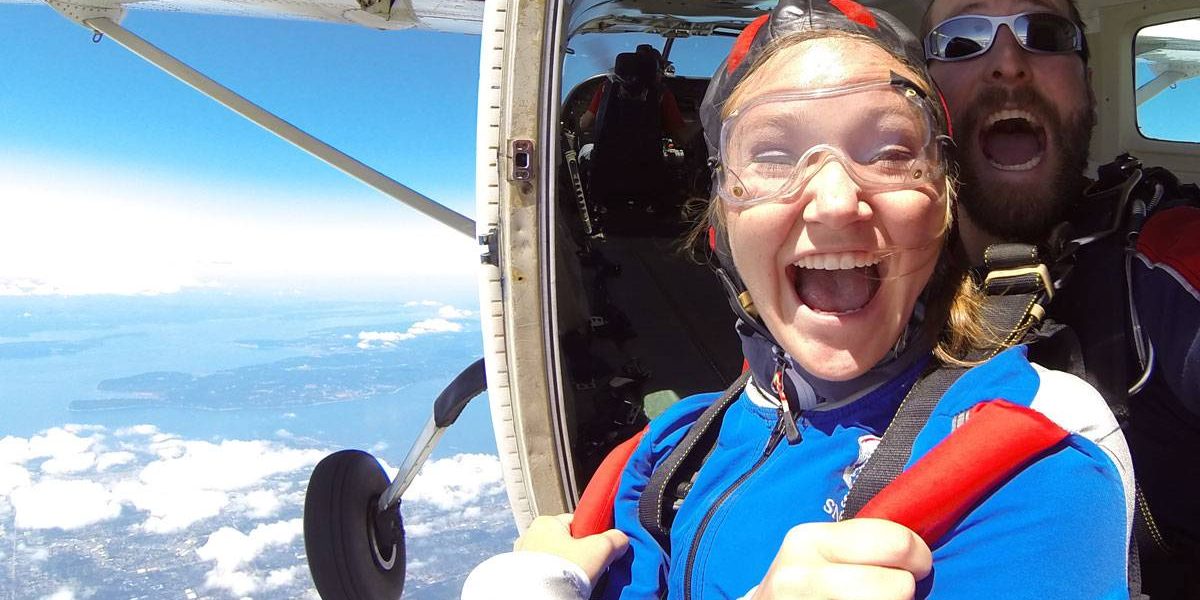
column 1016, row 81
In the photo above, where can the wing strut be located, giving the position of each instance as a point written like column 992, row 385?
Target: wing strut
column 1152, row 88
column 281, row 128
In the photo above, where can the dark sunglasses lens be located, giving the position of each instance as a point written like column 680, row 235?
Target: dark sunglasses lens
column 1046, row 33
column 961, row 38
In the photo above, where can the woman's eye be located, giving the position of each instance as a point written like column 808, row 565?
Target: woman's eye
column 893, row 157
column 775, row 157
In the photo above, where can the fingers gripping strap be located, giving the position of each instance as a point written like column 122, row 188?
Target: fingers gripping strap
column 594, row 513
column 891, row 456
column 998, row 439
column 656, row 509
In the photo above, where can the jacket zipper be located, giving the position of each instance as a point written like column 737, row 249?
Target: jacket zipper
column 777, row 434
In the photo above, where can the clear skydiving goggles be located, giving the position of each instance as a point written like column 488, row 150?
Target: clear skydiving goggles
column 967, row 36
column 884, row 135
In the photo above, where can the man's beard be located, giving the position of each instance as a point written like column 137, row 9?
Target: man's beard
column 1024, row 212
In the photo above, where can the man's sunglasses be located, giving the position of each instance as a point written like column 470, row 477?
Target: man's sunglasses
column 968, row 36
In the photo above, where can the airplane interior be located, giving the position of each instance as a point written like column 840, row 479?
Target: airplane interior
column 643, row 320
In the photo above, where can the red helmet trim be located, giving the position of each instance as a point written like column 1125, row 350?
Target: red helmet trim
column 855, row 12
column 741, row 47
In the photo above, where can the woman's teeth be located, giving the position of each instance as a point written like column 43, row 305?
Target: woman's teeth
column 834, row 261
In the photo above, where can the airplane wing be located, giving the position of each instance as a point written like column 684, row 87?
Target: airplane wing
column 458, row 16
column 1172, row 52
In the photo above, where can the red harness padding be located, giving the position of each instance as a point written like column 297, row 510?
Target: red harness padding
column 998, row 439
column 594, row 513
column 1168, row 238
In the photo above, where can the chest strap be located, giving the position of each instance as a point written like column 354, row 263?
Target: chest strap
column 672, row 479
column 895, row 448
column 1018, row 286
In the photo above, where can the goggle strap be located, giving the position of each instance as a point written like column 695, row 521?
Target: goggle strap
column 901, row 81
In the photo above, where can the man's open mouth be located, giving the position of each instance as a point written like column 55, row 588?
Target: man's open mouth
column 1013, row 140
column 837, row 283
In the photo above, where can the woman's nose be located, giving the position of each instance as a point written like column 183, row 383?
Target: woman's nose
column 834, row 198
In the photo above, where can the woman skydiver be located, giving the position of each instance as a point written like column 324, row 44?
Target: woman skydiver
column 833, row 202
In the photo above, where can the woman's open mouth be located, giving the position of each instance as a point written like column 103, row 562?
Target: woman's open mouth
column 836, row 283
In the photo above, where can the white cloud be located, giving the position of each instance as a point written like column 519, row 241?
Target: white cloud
column 232, row 551
column 112, row 459
column 63, row 593
column 182, row 481
column 422, row 303
column 261, row 503
column 60, row 442
column 278, row 578
column 192, row 480
column 236, row 499
column 14, row 449
column 416, row 530
column 171, row 508
column 144, row 430
column 69, row 463
column 434, row 326
column 63, row 504
column 228, row 465
column 388, row 339
column 455, row 482
column 12, row 477
column 449, row 312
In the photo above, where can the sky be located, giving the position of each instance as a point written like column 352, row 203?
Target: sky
column 117, row 178
column 1159, row 117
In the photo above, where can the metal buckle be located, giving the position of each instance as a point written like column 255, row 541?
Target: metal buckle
column 1040, row 270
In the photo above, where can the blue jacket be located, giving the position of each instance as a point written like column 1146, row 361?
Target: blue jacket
column 1058, row 529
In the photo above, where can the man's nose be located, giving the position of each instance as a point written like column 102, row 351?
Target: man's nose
column 1008, row 61
column 834, row 198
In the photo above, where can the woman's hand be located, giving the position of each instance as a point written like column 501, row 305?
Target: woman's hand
column 869, row 559
column 593, row 553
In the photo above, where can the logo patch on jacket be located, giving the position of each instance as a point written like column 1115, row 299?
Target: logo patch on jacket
column 866, row 447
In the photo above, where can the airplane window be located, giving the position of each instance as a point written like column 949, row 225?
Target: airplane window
column 1167, row 77
column 193, row 313
column 696, row 56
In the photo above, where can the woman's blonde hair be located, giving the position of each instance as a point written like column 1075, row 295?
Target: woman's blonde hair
column 953, row 300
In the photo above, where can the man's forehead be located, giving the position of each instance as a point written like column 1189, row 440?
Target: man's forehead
column 941, row 10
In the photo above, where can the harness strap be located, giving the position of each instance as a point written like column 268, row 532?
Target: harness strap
column 672, row 479
column 895, row 448
column 1018, row 287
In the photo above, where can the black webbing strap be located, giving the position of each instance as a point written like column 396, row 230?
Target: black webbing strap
column 1135, row 568
column 671, row 480
column 895, row 448
column 1018, row 285
column 1147, row 539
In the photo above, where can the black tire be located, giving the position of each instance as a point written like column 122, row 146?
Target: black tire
column 340, row 531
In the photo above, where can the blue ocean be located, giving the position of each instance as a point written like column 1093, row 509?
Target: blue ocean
column 191, row 422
